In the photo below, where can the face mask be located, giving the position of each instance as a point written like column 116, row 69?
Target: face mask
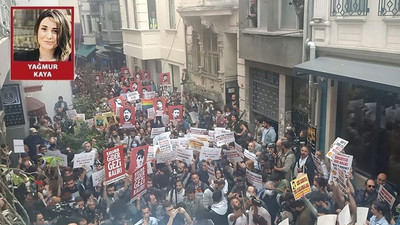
column 313, row 188
column 248, row 195
column 28, row 184
column 134, row 145
column 45, row 193
column 269, row 192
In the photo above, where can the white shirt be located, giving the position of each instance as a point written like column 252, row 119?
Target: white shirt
column 239, row 221
column 152, row 221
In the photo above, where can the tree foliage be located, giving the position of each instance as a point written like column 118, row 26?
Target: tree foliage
column 81, row 134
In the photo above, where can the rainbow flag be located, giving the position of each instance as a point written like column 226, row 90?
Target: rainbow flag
column 147, row 103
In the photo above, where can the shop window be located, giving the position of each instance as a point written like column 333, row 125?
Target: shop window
column 370, row 120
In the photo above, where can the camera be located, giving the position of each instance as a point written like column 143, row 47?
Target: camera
column 256, row 201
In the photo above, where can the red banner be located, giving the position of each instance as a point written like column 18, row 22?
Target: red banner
column 138, row 158
column 114, row 163
column 139, row 182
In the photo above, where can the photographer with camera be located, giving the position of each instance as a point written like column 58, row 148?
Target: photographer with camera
column 257, row 214
column 176, row 194
column 175, row 216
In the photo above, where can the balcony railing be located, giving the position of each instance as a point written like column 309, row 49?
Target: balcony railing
column 349, row 7
column 389, row 8
column 5, row 14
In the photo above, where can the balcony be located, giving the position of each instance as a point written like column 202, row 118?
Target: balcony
column 190, row 8
column 142, row 44
column 193, row 3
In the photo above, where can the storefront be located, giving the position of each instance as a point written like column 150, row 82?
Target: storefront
column 367, row 107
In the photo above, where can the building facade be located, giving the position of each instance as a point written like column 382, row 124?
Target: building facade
column 271, row 44
column 154, row 37
column 357, row 69
column 212, row 47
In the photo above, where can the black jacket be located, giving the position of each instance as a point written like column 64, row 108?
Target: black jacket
column 27, row 55
column 32, row 55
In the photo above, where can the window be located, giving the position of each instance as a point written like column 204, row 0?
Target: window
column 171, row 6
column 210, row 52
column 291, row 14
column 349, row 7
column 89, row 21
column 369, row 119
column 151, row 9
column 115, row 17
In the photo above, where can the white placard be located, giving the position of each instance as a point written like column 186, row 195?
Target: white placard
column 384, row 195
column 199, row 131
column 149, row 95
column 345, row 216
column 165, row 145
column 194, row 117
column 285, row 222
column 132, row 96
column 337, row 146
column 151, row 153
column 234, row 156
column 19, row 146
column 151, row 113
column 157, row 131
column 84, row 159
column 138, row 106
column 255, row 179
column 162, row 157
column 209, row 153
column 184, row 155
column 98, row 177
column 327, row 219
column 362, row 213
column 224, row 138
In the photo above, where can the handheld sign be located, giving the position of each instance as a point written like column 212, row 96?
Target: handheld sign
column 114, row 164
column 300, row 186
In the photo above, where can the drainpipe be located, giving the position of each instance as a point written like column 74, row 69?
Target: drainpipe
column 311, row 86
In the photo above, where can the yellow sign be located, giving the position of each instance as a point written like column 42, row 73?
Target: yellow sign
column 300, row 186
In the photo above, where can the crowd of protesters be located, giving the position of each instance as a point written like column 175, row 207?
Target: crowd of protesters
column 182, row 193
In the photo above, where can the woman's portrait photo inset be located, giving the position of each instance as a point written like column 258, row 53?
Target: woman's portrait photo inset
column 42, row 35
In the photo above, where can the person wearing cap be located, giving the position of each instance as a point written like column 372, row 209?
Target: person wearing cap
column 33, row 140
column 61, row 107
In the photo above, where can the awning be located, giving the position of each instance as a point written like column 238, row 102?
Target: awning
column 35, row 107
column 371, row 74
column 85, row 50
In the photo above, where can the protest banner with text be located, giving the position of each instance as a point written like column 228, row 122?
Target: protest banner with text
column 209, row 153
column 139, row 182
column 138, row 157
column 114, row 164
column 86, row 159
column 300, row 186
column 255, row 179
